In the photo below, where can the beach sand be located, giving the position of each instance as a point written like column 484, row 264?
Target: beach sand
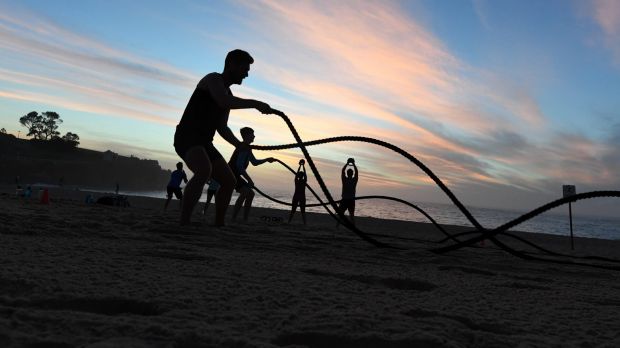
column 86, row 275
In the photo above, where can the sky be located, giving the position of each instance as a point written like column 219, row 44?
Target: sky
column 505, row 101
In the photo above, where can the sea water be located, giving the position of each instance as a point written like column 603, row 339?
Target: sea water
column 555, row 221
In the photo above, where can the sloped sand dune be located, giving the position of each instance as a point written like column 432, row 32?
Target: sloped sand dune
column 78, row 275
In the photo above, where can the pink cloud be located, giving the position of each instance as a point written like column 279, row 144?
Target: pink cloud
column 119, row 111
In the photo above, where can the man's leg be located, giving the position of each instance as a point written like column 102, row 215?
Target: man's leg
column 179, row 194
column 248, row 204
column 209, row 197
column 226, row 178
column 294, row 207
column 352, row 212
column 302, row 208
column 198, row 162
column 341, row 207
column 239, row 203
column 168, row 198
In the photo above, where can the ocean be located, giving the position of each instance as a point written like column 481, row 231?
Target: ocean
column 555, row 221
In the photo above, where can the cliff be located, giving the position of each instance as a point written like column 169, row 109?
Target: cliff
column 36, row 161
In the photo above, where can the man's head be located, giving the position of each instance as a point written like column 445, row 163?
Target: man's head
column 350, row 173
column 180, row 165
column 237, row 65
column 247, row 134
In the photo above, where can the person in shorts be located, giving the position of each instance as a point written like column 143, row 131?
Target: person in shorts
column 349, row 183
column 239, row 161
column 299, row 197
column 174, row 185
column 206, row 113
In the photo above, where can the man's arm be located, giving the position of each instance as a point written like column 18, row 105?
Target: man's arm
column 225, row 132
column 256, row 162
column 225, row 100
column 354, row 171
column 184, row 177
column 343, row 175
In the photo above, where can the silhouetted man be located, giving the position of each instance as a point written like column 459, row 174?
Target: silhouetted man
column 207, row 112
column 349, row 183
column 239, row 161
column 174, row 185
column 299, row 197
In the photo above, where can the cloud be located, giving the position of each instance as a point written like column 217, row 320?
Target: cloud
column 480, row 7
column 44, row 40
column 63, row 68
column 374, row 63
column 606, row 13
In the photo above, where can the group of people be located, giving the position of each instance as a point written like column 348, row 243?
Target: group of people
column 206, row 113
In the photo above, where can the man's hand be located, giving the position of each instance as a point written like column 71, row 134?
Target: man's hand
column 264, row 108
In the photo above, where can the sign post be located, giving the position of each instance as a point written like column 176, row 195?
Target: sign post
column 569, row 190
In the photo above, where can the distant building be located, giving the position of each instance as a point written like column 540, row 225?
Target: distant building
column 109, row 156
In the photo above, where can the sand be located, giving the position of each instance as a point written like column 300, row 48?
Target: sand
column 85, row 275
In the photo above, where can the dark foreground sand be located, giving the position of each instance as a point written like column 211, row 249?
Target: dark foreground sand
column 78, row 275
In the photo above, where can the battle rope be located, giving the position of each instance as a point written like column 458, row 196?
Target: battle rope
column 321, row 203
column 439, row 227
column 484, row 233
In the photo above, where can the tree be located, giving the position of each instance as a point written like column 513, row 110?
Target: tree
column 3, row 131
column 33, row 121
column 43, row 126
column 51, row 120
column 71, row 138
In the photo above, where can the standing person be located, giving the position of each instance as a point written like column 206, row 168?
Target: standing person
column 207, row 112
column 239, row 161
column 174, row 185
column 349, row 183
column 211, row 191
column 299, row 197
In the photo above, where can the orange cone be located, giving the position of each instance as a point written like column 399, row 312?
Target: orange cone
column 45, row 199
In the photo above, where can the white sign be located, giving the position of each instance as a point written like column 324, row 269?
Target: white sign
column 569, row 190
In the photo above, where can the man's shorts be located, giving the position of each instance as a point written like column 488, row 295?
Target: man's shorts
column 347, row 204
column 176, row 190
column 241, row 183
column 299, row 196
column 183, row 141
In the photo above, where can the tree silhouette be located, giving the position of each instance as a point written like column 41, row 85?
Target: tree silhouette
column 71, row 138
column 3, row 131
column 44, row 126
column 51, row 120
column 34, row 122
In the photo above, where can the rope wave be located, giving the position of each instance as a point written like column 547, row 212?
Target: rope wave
column 479, row 232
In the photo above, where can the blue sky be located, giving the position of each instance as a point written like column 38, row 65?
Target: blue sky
column 504, row 100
